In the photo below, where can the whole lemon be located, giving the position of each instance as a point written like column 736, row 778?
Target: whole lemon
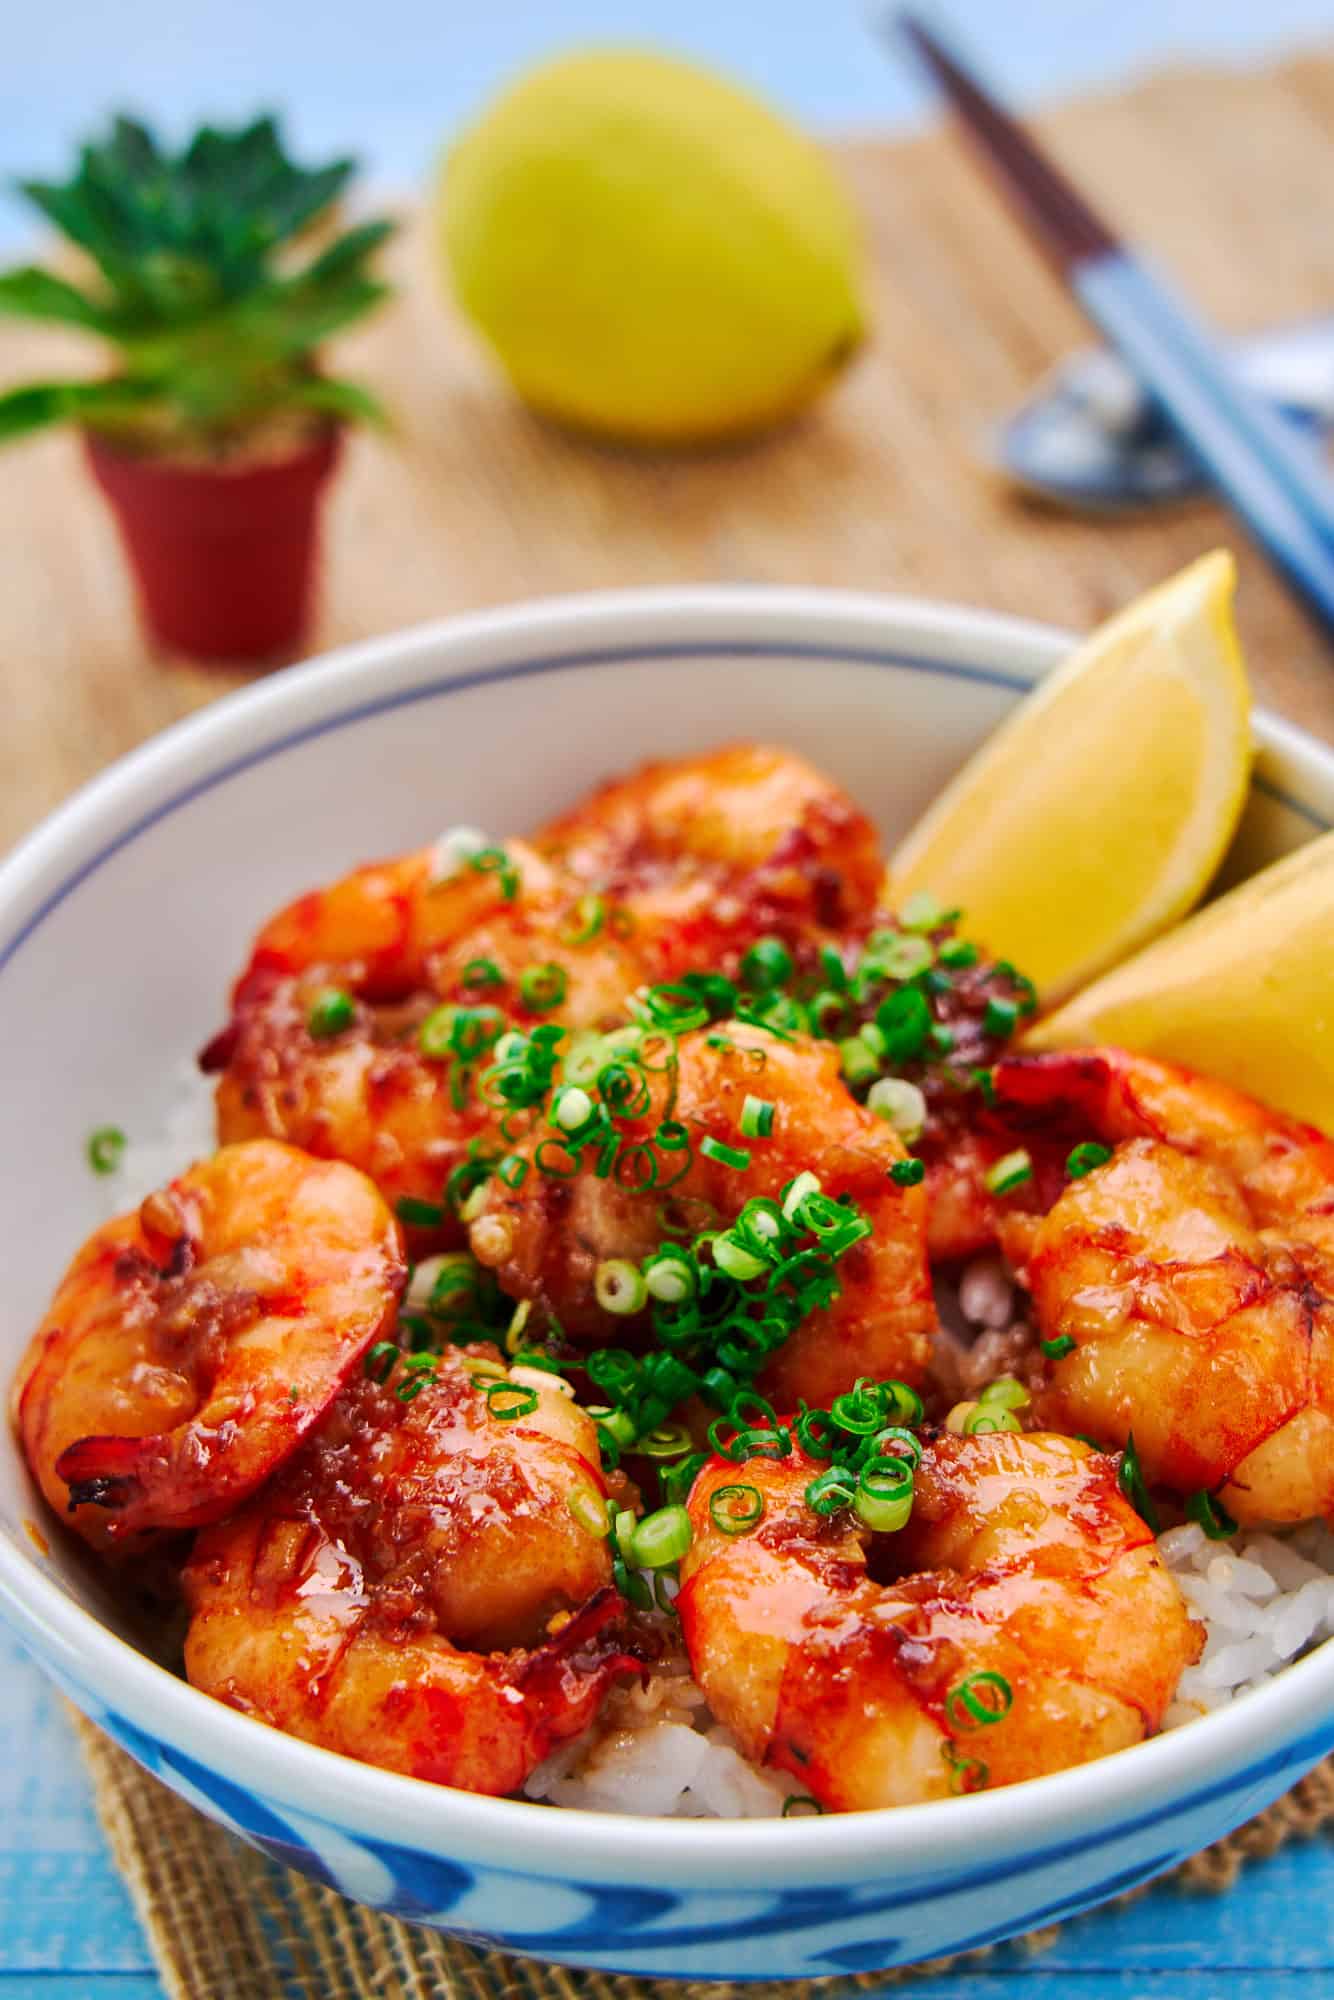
column 652, row 253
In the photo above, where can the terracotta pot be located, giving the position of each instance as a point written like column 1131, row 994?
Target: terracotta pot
column 224, row 558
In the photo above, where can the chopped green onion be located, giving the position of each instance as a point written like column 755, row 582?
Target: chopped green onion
column 381, row 1361
column 418, row 1214
column 105, row 1147
column 589, row 1512
column 904, row 1403
column 667, row 1441
column 1130, row 1479
column 757, row 1117
column 983, row 1419
column 590, row 913
column 884, row 1496
column 860, row 1410
column 1057, row 1349
column 800, row 1805
column 874, row 1040
column 904, row 1019
column 513, row 1170
column 435, row 1037
column 619, row 1286
column 831, row 1490
column 661, row 1538
column 737, row 1262
column 904, row 958
column 941, row 1037
column 767, row 964
column 796, row 1192
column 1009, row 1172
column 1211, row 1515
column 726, row 1156
column 967, row 1774
column 452, row 853
column 508, row 1400
column 1005, row 1393
column 856, row 1061
column 734, row 1509
column 1084, row 1158
column 985, row 1080
column 901, row 1104
column 572, row 1108
column 979, row 1700
column 495, row 861
column 957, row 953
column 542, row 987
column 677, row 1479
column 670, row 1275
column 1001, row 1016
column 908, row 1173
column 331, row 1011
column 924, row 912
column 482, row 972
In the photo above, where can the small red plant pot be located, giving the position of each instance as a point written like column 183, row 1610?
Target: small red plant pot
column 224, row 558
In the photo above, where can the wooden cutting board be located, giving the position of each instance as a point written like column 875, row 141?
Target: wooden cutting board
column 883, row 487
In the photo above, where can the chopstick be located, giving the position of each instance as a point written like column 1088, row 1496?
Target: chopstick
column 1271, row 476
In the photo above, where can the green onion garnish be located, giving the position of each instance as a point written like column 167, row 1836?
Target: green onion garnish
column 757, row 1117
column 381, row 1361
column 419, row 1214
column 482, row 972
column 767, row 964
column 831, row 1490
column 901, row 1104
column 734, row 1509
column 957, row 953
column 904, row 1019
column 331, row 1011
column 589, row 1512
column 856, row 1061
column 967, row 1774
column 1001, row 1016
column 105, row 1147
column 508, row 1400
column 1005, row 1393
column 800, row 1805
column 883, row 1500
column 726, row 1156
column 495, row 861
column 619, row 1286
column 904, row 958
column 1009, row 1172
column 1084, row 1158
column 908, row 1173
column 670, row 1275
column 1211, row 1515
column 587, row 919
column 667, row 1441
column 661, row 1538
column 1057, row 1349
column 1130, row 1479
column 924, row 912
column 572, row 1108
column 979, row 1700
column 542, row 987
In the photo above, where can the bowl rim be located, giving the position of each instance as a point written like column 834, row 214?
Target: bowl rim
column 1166, row 1772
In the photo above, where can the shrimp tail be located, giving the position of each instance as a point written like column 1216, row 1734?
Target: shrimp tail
column 104, row 1471
column 587, row 1653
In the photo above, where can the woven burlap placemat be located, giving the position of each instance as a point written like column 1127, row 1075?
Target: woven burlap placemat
column 474, row 503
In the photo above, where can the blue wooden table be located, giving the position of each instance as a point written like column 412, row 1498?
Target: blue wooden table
column 67, row 1931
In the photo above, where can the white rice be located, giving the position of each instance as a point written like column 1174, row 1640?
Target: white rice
column 1264, row 1599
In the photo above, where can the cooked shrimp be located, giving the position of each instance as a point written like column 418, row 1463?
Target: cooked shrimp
column 361, row 1087
column 361, row 1600
column 1194, row 1273
column 712, row 852
column 1023, row 1588
column 546, row 1237
column 194, row 1343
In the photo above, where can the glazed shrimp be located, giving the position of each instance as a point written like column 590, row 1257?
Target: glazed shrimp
column 1022, row 1579
column 393, row 944
column 1193, row 1272
column 194, row 1343
column 413, row 1590
column 712, row 852
column 546, row 1237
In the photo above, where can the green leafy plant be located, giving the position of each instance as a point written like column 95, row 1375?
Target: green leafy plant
column 200, row 285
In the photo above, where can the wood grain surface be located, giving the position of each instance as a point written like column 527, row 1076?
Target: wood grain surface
column 882, row 487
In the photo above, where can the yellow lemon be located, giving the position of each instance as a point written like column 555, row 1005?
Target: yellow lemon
column 653, row 254
column 1243, row 991
column 1095, row 816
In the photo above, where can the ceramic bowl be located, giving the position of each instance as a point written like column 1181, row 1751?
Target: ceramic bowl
column 122, row 921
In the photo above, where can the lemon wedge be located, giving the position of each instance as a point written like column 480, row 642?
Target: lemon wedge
column 1243, row 991
column 1095, row 816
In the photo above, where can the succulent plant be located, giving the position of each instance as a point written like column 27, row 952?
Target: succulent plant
column 200, row 284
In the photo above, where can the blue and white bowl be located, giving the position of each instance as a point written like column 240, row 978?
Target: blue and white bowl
column 122, row 921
